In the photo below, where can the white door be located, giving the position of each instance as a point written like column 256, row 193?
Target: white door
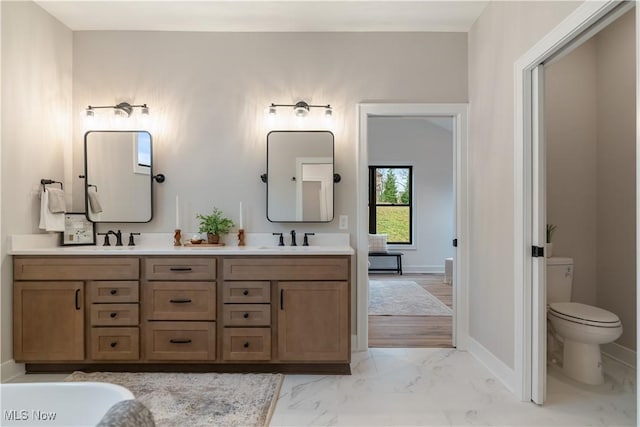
column 538, row 239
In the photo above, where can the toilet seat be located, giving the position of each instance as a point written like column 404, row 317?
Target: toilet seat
column 584, row 314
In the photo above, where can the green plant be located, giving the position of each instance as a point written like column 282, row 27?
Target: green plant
column 216, row 223
column 550, row 229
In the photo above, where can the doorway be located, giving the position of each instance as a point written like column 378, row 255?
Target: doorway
column 457, row 113
column 531, row 189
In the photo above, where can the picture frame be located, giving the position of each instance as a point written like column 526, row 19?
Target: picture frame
column 78, row 230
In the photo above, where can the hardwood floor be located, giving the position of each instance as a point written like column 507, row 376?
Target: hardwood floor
column 414, row 331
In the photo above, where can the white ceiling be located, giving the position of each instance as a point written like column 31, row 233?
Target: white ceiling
column 264, row 15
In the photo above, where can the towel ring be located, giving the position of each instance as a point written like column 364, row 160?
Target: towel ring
column 44, row 182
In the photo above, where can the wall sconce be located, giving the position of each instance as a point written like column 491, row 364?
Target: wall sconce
column 123, row 108
column 301, row 108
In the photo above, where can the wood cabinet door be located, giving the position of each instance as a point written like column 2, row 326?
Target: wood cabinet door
column 313, row 322
column 48, row 319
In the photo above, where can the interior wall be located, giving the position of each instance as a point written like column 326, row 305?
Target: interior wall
column 571, row 134
column 428, row 147
column 616, row 68
column 502, row 33
column 36, row 125
column 208, row 93
column 591, row 171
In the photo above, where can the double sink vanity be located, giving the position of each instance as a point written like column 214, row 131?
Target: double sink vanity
column 264, row 308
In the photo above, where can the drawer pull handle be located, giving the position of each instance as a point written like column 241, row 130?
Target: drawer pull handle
column 245, row 292
column 246, row 344
column 113, row 315
column 246, row 315
column 113, row 291
column 77, row 299
column 180, row 300
column 114, row 344
column 179, row 341
column 180, row 268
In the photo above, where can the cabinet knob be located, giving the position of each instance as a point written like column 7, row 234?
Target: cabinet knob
column 113, row 315
column 246, row 315
column 114, row 344
column 246, row 344
column 113, row 291
column 245, row 292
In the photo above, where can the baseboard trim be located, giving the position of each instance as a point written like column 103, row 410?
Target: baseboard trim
column 505, row 374
column 620, row 353
column 10, row 369
column 424, row 269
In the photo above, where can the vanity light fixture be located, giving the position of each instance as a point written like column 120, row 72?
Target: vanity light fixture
column 300, row 108
column 121, row 109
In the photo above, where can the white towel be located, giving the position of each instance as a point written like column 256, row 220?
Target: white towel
column 57, row 203
column 49, row 221
column 94, row 200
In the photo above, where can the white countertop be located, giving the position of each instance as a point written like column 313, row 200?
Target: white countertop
column 162, row 244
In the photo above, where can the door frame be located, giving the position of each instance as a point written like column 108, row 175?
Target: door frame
column 529, row 298
column 459, row 113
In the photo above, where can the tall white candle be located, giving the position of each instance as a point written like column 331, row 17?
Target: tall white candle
column 177, row 213
column 241, row 227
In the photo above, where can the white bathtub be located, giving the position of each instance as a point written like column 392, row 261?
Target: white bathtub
column 58, row 403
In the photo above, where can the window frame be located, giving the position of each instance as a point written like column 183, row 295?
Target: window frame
column 373, row 205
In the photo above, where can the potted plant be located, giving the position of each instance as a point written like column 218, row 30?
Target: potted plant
column 549, row 246
column 215, row 225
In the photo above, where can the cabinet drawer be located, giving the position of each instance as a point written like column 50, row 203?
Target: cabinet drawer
column 115, row 344
column 179, row 301
column 102, row 291
column 288, row 268
column 180, row 340
column 247, row 344
column 246, row 292
column 246, row 314
column 76, row 268
column 114, row 314
column 180, row 268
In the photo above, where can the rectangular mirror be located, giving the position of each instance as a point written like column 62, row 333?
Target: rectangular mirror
column 118, row 176
column 300, row 169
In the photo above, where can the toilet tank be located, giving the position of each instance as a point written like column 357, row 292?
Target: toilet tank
column 559, row 279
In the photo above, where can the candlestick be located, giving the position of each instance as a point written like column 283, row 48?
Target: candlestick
column 241, row 225
column 177, row 212
column 241, row 237
column 177, row 238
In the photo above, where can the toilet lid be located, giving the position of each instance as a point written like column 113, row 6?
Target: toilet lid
column 586, row 314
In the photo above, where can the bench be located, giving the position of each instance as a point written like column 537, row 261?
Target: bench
column 397, row 255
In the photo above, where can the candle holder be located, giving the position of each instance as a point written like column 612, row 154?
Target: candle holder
column 241, row 237
column 177, row 238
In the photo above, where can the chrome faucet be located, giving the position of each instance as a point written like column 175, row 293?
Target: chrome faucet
column 293, row 238
column 118, row 235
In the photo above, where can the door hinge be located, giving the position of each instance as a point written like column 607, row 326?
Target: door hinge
column 455, row 243
column 537, row 251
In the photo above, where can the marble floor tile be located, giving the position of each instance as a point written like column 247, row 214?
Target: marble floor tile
column 446, row 387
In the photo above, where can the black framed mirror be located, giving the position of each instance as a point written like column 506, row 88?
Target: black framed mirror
column 118, row 176
column 300, row 176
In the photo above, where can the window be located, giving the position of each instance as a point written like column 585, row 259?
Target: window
column 142, row 153
column 390, row 202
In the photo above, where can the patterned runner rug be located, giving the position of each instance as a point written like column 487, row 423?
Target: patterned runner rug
column 403, row 298
column 196, row 400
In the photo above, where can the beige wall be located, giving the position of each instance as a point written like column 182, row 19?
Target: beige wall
column 616, row 290
column 571, row 116
column 208, row 92
column 590, row 124
column 504, row 32
column 36, row 125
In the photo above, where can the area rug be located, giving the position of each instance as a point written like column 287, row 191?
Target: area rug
column 403, row 298
column 198, row 400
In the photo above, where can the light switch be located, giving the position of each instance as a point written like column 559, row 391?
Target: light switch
column 344, row 222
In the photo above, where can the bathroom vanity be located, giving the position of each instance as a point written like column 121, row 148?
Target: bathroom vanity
column 222, row 309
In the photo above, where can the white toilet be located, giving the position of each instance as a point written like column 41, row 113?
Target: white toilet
column 580, row 327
